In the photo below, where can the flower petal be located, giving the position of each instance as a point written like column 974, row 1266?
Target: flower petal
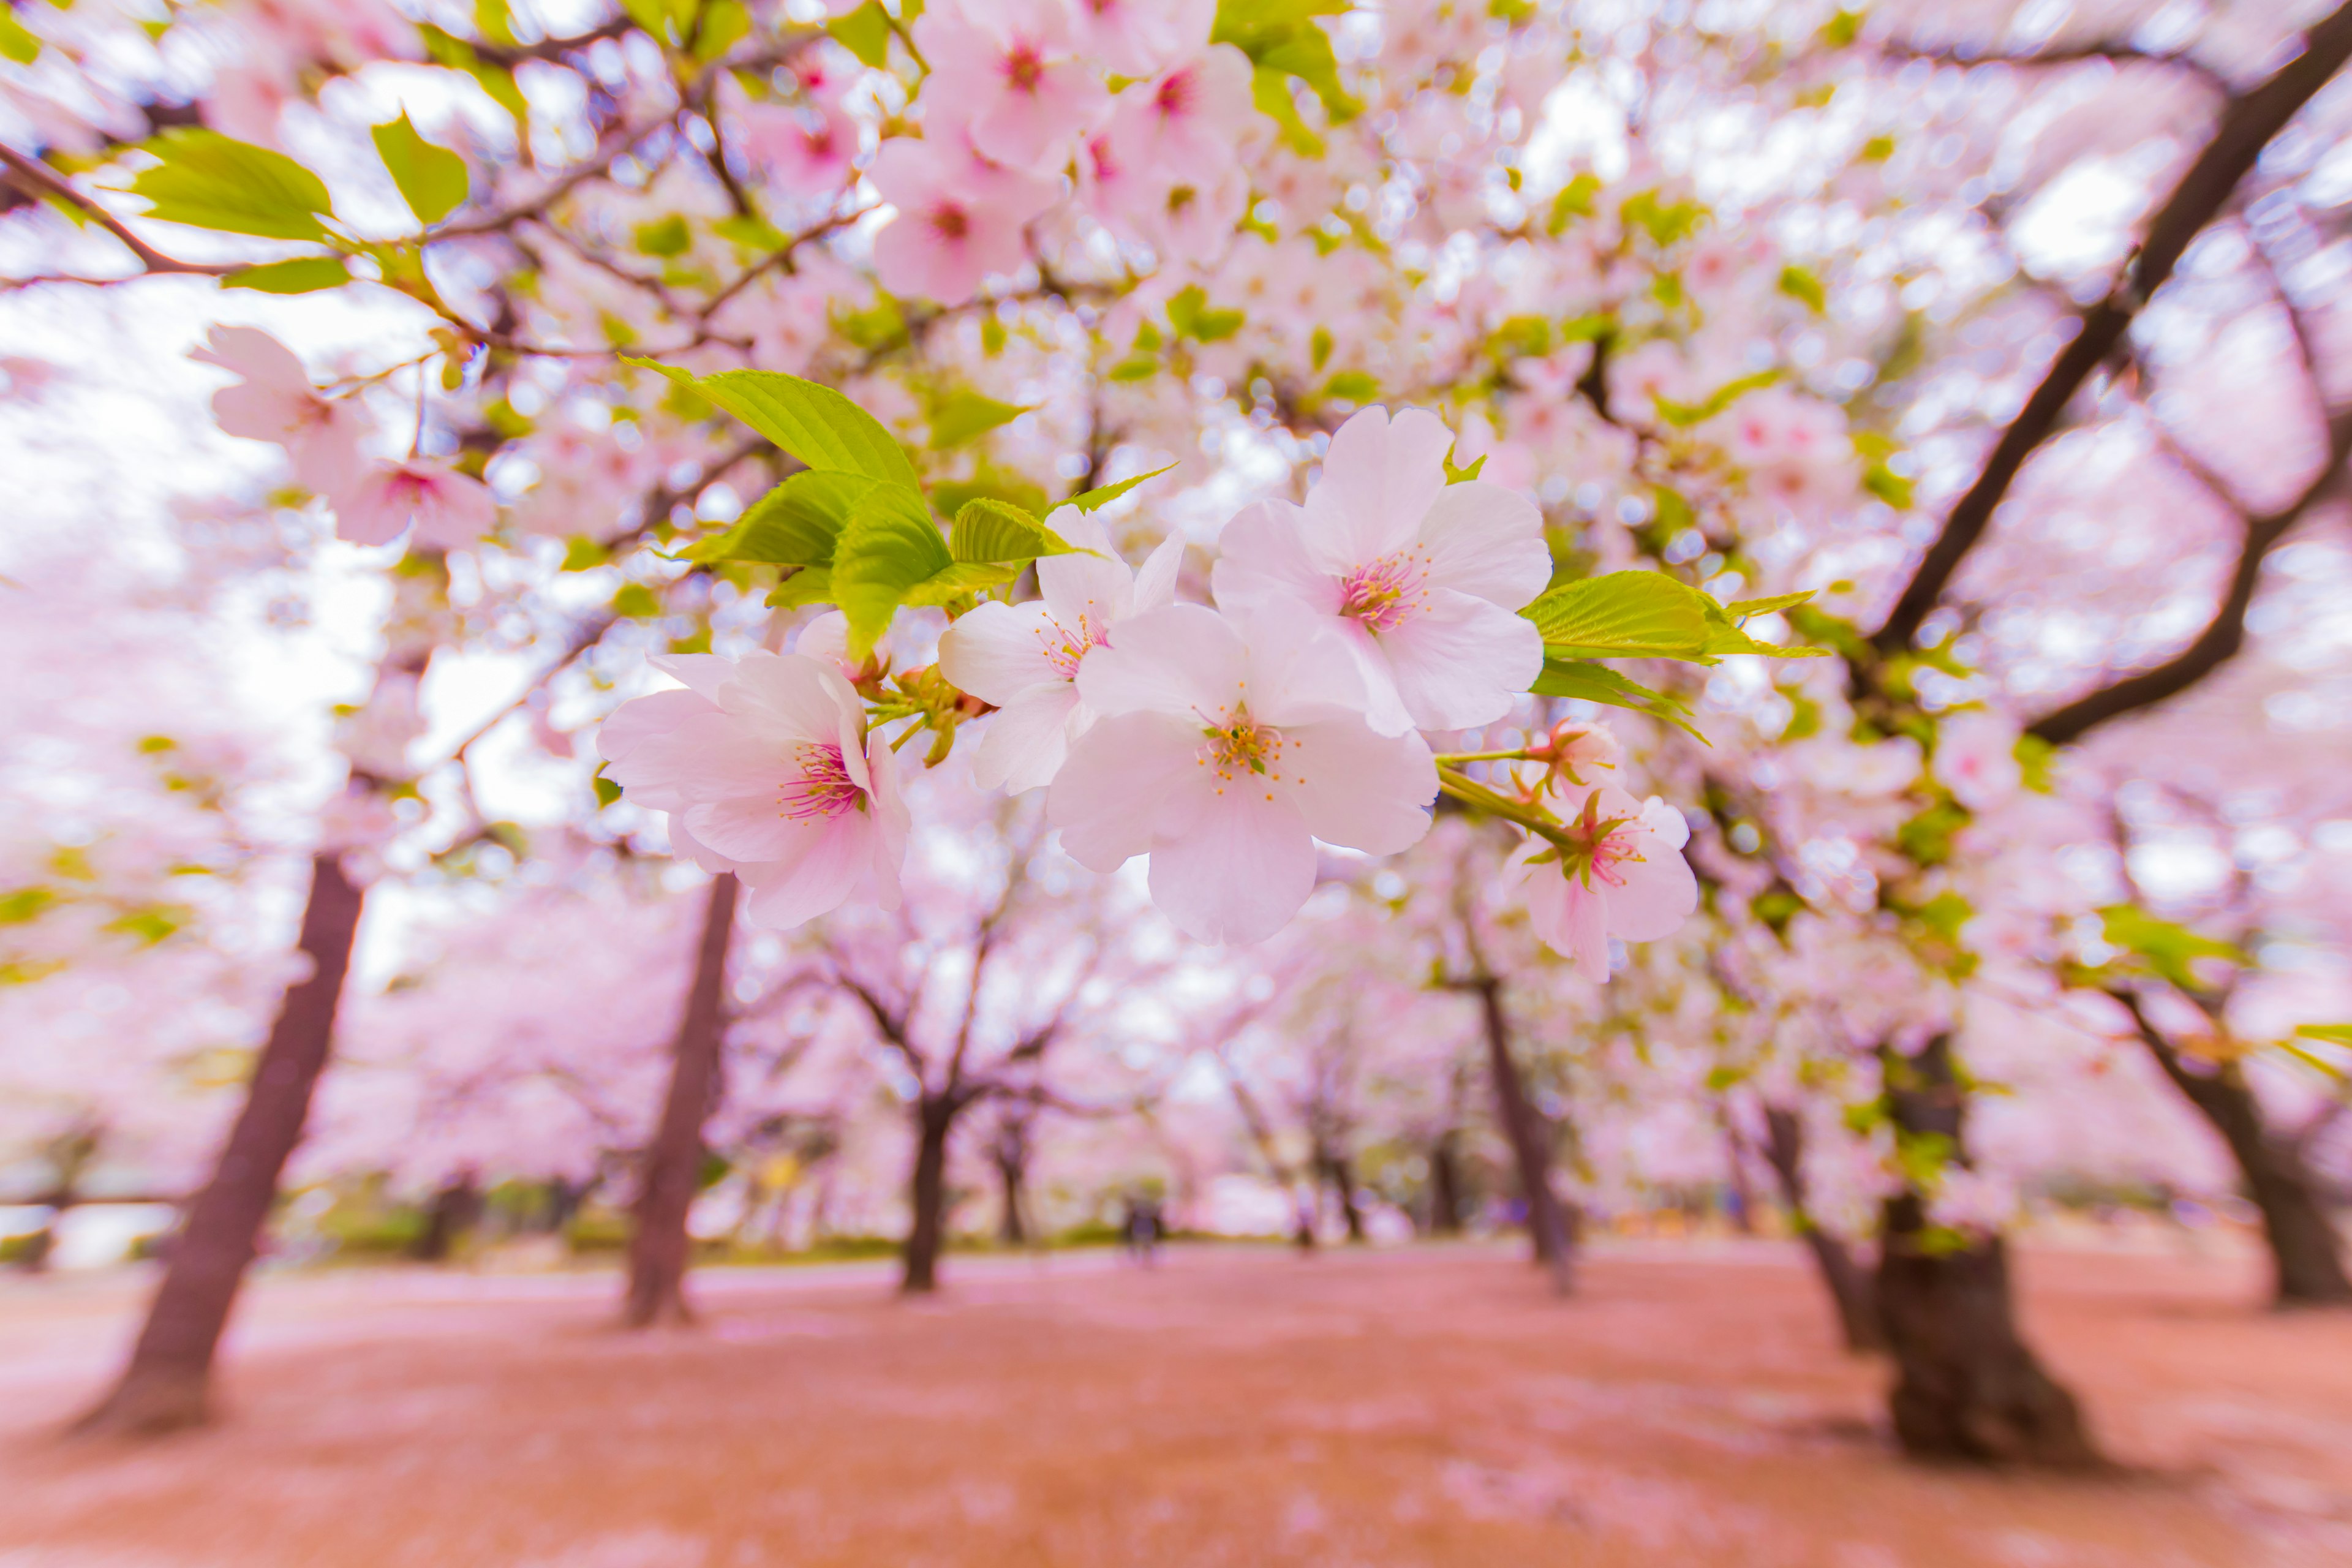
column 1185, row 659
column 639, row 720
column 1360, row 790
column 1155, row 585
column 1487, row 541
column 1124, row 778
column 998, row 651
column 1026, row 742
column 1462, row 661
column 1238, row 871
column 1380, row 479
column 1261, row 558
column 827, row 864
column 789, row 697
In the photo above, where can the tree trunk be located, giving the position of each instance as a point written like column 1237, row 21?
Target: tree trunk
column 1849, row 1284
column 934, row 1117
column 168, row 1382
column 2306, row 1256
column 658, row 1245
column 1340, row 1173
column 1546, row 1226
column 1445, row 1184
column 1012, row 1228
column 456, row 1209
column 1967, row 1387
column 1735, row 1164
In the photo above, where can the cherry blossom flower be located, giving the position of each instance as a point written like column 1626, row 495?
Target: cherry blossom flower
column 1569, row 762
column 1626, row 879
column 450, row 511
column 1163, row 168
column 959, row 219
column 1025, row 658
column 276, row 402
column 1416, row 578
column 765, row 769
column 1224, row 757
column 1182, row 122
column 1136, row 37
column 1976, row 759
column 807, row 150
column 1006, row 74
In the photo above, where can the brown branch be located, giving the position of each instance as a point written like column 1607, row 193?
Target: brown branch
column 37, row 180
column 2109, row 50
column 2224, row 636
column 2246, row 127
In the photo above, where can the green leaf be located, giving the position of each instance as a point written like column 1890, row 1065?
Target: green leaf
column 1135, row 367
column 1270, row 91
column 1664, row 222
column 751, row 232
column 2166, row 948
column 889, row 546
column 665, row 237
column 809, row 585
column 865, row 32
column 1352, row 386
column 815, row 424
column 24, row 904
column 1455, row 476
column 1800, row 284
column 989, row 532
column 963, row 416
column 1281, row 35
column 207, row 180
column 636, row 602
column 1103, row 495
column 1842, row 29
column 303, row 275
column 582, row 553
column 1684, row 414
column 607, row 791
column 1187, row 312
column 17, row 42
column 432, row 179
column 798, row 524
column 1887, row 485
column 152, row 923
column 1625, row 615
column 725, row 23
column 1723, row 636
column 2328, row 1034
column 962, row 579
column 1599, row 683
column 948, row 496
column 1576, row 199
column 1739, row 609
column 490, row 20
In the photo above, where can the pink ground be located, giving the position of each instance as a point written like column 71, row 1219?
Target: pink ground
column 1233, row 1407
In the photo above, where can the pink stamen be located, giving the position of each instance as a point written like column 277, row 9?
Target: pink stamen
column 1387, row 593
column 823, row 789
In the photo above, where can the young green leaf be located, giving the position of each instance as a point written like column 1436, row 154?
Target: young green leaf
column 432, row 179
column 865, row 32
column 1684, row 414
column 1103, row 495
column 798, row 524
column 1625, row 615
column 1599, row 683
column 2166, row 947
column 965, row 415
column 1740, row 609
column 17, row 42
column 815, row 424
column 889, row 546
column 303, row 275
column 207, row 180
column 992, row 532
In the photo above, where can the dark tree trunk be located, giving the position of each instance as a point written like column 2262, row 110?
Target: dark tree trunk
column 2306, row 1256
column 1341, row 1173
column 168, row 1383
column 1011, row 1227
column 70, row 1155
column 1849, row 1284
column 1547, row 1224
column 1445, row 1184
column 658, row 1245
column 1735, row 1163
column 934, row 1120
column 456, row 1209
column 1967, row 1387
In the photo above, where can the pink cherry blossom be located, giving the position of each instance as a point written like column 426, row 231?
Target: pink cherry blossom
column 1627, row 878
column 276, row 402
column 959, row 219
column 1006, row 74
column 1417, row 578
column 1163, row 169
column 1224, row 757
column 450, row 509
column 1976, row 759
column 1136, row 37
column 765, row 769
column 807, row 150
column 1025, row 658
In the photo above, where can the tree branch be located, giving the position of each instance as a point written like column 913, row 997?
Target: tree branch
column 37, row 179
column 2246, row 127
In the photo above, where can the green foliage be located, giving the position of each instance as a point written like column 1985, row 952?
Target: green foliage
column 1664, row 222
column 1188, row 314
column 865, row 32
column 798, row 524
column 1841, row 29
column 635, row 601
column 965, row 415
column 1927, row 838
column 1352, row 386
column 989, row 532
column 665, row 237
column 17, row 42
column 2330, row 1034
column 1799, row 283
column 1647, row 615
column 1281, row 35
column 1682, row 416
column 152, row 923
column 2035, row 759
column 1575, row 199
column 1455, row 476
column 722, row 25
column 24, row 904
column 447, row 49
column 1599, row 683
column 815, row 424
column 2164, row 947
column 432, row 180
column 207, row 180
column 1270, row 91
column 1103, row 495
column 303, row 275
column 887, row 549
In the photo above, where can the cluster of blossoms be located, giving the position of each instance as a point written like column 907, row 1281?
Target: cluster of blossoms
column 1222, row 742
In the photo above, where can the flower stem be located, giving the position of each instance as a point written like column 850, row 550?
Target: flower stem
column 1470, row 792
column 1455, row 759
